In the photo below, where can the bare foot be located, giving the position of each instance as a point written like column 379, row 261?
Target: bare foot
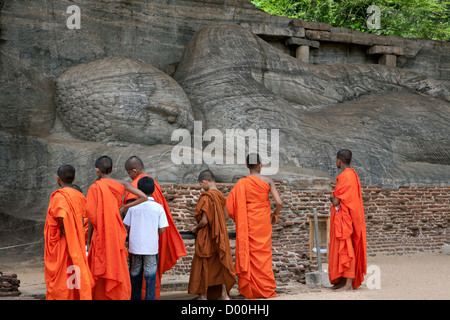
column 344, row 289
column 224, row 294
column 338, row 285
column 347, row 287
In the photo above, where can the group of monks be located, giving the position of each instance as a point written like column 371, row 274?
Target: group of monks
column 86, row 257
column 249, row 206
column 85, row 254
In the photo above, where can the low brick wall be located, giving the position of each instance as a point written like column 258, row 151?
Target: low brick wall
column 398, row 221
column 406, row 220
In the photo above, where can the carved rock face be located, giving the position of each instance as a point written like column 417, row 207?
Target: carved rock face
column 120, row 100
column 395, row 121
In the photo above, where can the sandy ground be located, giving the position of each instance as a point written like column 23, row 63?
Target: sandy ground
column 406, row 277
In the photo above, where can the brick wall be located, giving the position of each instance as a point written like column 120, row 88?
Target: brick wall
column 398, row 221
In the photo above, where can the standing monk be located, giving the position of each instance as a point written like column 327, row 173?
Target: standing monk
column 107, row 234
column 347, row 256
column 212, row 263
column 171, row 245
column 67, row 273
column 249, row 206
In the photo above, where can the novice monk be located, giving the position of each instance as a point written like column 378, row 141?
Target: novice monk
column 67, row 273
column 171, row 245
column 107, row 234
column 347, row 256
column 249, row 206
column 212, row 263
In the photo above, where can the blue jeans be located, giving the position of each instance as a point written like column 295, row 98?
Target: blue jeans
column 143, row 265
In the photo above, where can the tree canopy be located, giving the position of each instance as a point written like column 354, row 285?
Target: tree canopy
column 405, row 18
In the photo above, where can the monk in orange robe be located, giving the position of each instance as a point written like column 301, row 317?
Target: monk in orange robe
column 249, row 206
column 347, row 257
column 107, row 235
column 85, row 227
column 212, row 264
column 171, row 245
column 67, row 273
column 85, row 219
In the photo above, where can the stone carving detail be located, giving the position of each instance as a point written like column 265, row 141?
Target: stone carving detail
column 116, row 99
column 234, row 79
column 69, row 96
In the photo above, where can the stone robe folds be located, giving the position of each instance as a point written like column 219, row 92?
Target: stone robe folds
column 67, row 273
column 107, row 253
column 171, row 245
column 249, row 206
column 212, row 263
column 347, row 256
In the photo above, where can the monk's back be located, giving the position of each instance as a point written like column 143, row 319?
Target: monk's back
column 116, row 188
column 78, row 201
column 253, row 257
column 256, row 190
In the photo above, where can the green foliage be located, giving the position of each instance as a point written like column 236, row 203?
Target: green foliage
column 405, row 18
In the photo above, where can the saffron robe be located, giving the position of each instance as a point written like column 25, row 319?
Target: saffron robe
column 212, row 263
column 348, row 246
column 107, row 254
column 170, row 246
column 249, row 206
column 67, row 273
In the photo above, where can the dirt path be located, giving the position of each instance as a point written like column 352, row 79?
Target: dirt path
column 406, row 277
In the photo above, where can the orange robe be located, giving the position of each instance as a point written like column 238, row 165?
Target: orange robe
column 107, row 254
column 67, row 273
column 85, row 227
column 249, row 206
column 212, row 263
column 171, row 245
column 348, row 246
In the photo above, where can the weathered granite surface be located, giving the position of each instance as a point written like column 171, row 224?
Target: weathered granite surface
column 28, row 172
column 36, row 46
column 118, row 99
column 391, row 118
column 396, row 121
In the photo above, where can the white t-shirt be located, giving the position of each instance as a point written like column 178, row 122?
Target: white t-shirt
column 144, row 221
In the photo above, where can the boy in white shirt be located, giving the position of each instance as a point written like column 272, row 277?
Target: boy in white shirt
column 144, row 222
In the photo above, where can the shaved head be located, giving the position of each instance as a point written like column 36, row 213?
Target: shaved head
column 104, row 164
column 345, row 156
column 253, row 160
column 134, row 162
column 66, row 173
column 206, row 175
